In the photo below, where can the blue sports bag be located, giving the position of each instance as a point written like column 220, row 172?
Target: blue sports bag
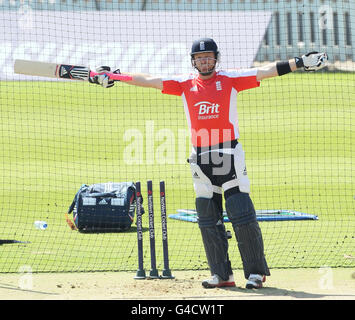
column 103, row 207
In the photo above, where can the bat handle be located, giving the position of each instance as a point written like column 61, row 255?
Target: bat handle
column 113, row 76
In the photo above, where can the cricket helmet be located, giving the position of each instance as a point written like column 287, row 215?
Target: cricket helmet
column 204, row 45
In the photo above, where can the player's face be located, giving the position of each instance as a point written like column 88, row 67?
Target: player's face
column 205, row 61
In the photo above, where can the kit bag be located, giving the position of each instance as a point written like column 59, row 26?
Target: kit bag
column 103, row 207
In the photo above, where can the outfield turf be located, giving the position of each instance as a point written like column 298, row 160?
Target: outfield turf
column 297, row 132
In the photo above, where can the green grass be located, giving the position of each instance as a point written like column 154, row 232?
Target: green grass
column 297, row 132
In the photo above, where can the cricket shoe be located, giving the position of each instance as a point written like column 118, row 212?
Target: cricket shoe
column 217, row 282
column 255, row 281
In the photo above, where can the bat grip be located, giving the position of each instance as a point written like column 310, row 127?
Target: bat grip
column 113, row 76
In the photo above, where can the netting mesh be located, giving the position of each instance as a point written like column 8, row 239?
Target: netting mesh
column 297, row 130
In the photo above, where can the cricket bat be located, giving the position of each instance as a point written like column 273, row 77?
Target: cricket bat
column 63, row 71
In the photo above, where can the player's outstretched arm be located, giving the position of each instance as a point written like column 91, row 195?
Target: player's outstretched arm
column 309, row 62
column 145, row 80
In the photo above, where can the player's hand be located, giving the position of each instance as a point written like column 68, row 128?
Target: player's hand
column 313, row 61
column 103, row 79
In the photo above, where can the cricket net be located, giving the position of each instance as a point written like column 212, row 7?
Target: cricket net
column 297, row 131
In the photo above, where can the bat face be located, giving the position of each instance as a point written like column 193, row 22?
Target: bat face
column 51, row 70
column 64, row 71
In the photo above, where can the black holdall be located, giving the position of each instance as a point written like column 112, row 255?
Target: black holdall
column 103, row 207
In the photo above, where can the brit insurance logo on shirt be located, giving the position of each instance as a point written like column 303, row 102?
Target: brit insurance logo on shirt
column 207, row 110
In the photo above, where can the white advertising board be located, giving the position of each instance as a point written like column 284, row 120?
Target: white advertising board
column 155, row 42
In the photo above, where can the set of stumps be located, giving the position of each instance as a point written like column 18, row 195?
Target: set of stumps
column 153, row 273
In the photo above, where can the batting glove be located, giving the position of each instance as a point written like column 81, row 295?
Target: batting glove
column 103, row 79
column 312, row 61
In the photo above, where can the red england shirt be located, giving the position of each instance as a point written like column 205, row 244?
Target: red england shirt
column 211, row 105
